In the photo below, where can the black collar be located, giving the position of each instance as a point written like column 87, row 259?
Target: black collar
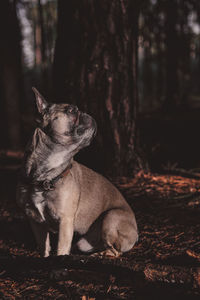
column 47, row 185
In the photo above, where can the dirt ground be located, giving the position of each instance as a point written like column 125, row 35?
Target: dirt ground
column 165, row 263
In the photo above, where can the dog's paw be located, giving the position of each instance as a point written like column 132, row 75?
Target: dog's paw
column 110, row 253
column 59, row 274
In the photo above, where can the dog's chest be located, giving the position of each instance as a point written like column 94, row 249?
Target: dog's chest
column 39, row 206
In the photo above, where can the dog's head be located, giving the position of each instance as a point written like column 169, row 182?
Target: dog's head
column 64, row 123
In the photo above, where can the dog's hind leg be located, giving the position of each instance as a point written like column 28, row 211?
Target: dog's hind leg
column 114, row 232
column 42, row 238
column 119, row 230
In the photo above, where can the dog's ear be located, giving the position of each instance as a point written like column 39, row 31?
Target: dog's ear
column 40, row 101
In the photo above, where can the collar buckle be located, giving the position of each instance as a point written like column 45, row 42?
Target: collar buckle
column 48, row 185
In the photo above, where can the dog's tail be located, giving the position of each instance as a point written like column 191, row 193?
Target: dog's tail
column 84, row 246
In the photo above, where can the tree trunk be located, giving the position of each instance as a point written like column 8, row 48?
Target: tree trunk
column 95, row 67
column 185, row 63
column 10, row 80
column 42, row 34
column 172, row 56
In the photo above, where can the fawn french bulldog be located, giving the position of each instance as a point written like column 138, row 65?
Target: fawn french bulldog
column 60, row 195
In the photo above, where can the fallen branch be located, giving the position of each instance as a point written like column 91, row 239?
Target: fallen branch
column 181, row 172
column 133, row 272
column 173, row 275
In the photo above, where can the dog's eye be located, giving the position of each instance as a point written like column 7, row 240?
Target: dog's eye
column 72, row 109
column 56, row 118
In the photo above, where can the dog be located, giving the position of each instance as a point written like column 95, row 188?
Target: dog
column 60, row 195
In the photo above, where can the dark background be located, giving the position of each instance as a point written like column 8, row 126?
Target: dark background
column 133, row 65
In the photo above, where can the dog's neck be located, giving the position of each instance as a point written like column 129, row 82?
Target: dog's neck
column 45, row 159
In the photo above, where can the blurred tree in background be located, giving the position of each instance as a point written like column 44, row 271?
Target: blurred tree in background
column 169, row 40
column 10, row 76
column 116, row 59
column 95, row 67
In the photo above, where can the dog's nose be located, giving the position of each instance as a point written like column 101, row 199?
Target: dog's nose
column 72, row 109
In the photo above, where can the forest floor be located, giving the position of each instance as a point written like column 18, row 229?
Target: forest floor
column 165, row 263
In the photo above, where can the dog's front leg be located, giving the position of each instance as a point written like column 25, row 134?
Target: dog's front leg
column 65, row 235
column 42, row 238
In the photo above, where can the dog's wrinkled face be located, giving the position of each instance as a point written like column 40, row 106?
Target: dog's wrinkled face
column 64, row 123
